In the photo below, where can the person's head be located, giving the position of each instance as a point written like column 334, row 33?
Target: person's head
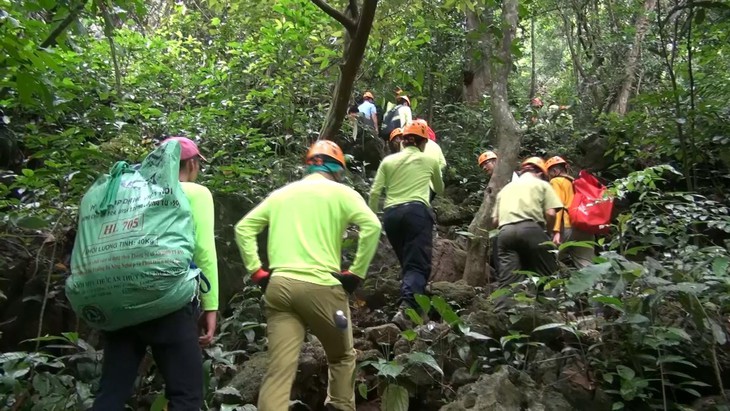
column 403, row 100
column 326, row 157
column 415, row 134
column 535, row 166
column 190, row 158
column 368, row 96
column 556, row 166
column 488, row 161
column 353, row 111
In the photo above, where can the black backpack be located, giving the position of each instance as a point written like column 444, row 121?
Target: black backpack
column 390, row 122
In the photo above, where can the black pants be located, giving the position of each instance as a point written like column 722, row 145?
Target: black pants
column 520, row 248
column 174, row 342
column 410, row 231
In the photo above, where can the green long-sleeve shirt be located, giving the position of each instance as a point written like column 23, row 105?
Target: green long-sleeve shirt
column 405, row 176
column 306, row 220
column 204, row 255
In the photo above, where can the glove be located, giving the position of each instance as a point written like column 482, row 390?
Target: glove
column 349, row 280
column 261, row 278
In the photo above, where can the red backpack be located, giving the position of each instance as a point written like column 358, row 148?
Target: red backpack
column 591, row 208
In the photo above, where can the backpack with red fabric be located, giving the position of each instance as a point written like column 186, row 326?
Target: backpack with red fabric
column 591, row 208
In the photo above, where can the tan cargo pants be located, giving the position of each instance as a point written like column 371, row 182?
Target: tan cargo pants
column 291, row 307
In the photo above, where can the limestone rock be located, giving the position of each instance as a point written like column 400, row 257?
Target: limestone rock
column 383, row 334
column 459, row 291
column 507, row 390
column 448, row 261
column 248, row 380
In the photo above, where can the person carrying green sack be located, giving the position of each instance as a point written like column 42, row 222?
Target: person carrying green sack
column 305, row 286
column 175, row 337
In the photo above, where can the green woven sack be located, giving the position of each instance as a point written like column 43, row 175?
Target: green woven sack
column 132, row 258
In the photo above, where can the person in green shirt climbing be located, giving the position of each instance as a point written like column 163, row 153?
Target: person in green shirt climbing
column 523, row 209
column 305, row 286
column 407, row 218
column 175, row 339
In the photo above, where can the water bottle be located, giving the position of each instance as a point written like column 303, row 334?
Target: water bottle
column 340, row 320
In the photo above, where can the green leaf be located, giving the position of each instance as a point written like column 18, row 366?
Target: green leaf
column 720, row 266
column 215, row 22
column 389, row 369
column 160, row 403
column 555, row 325
column 414, row 316
column 445, row 311
column 28, row 172
column 608, row 300
column 32, row 223
column 586, row 278
column 423, row 302
column 409, row 335
column 395, row 398
column 718, row 332
column 425, row 359
column 362, row 388
column 625, row 372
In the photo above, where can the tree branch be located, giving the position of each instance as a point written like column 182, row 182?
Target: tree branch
column 347, row 22
column 702, row 4
column 63, row 25
column 354, row 10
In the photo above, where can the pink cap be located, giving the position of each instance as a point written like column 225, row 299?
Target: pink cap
column 188, row 148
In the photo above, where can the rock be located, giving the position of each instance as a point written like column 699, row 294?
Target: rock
column 401, row 346
column 369, row 355
column 248, row 380
column 461, row 377
column 383, row 334
column 417, row 374
column 312, row 360
column 448, row 261
column 577, row 383
column 507, row 390
column 363, row 344
column 459, row 292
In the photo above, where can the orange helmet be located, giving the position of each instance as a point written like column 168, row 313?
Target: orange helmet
column 368, row 95
column 552, row 161
column 405, row 98
column 417, row 128
column 395, row 133
column 537, row 162
column 486, row 156
column 325, row 148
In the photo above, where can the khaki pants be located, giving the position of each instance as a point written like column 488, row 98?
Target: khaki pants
column 581, row 256
column 291, row 307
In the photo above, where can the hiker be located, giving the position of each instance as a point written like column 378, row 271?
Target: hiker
column 304, row 286
column 368, row 110
column 407, row 218
column 353, row 116
column 487, row 161
column 434, row 151
column 394, row 141
column 562, row 231
column 176, row 338
column 522, row 210
column 396, row 116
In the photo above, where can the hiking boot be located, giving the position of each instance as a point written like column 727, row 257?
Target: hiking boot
column 401, row 320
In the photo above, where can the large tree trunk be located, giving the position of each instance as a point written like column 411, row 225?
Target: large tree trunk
column 499, row 55
column 476, row 82
column 620, row 102
column 358, row 24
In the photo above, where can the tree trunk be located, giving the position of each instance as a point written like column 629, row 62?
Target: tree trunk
column 620, row 103
column 476, row 81
column 498, row 51
column 354, row 50
column 533, row 74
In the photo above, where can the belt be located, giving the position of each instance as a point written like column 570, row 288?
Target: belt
column 523, row 222
column 404, row 204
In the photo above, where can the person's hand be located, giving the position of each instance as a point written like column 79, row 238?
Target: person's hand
column 349, row 280
column 206, row 325
column 556, row 238
column 261, row 278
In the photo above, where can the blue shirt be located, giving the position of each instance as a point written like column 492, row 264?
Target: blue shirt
column 367, row 109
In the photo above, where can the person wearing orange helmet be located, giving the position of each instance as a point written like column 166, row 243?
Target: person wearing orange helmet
column 305, row 286
column 368, row 110
column 407, row 217
column 434, row 151
column 562, row 231
column 487, row 161
column 522, row 210
column 404, row 109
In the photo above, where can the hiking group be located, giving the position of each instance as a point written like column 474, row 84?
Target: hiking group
column 144, row 265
